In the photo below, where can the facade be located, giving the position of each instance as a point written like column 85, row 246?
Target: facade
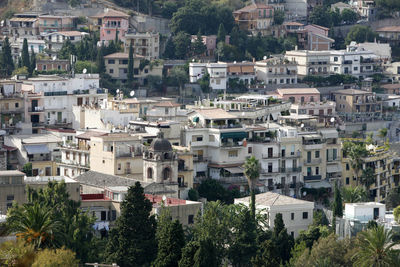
column 167, row 111
column 357, row 101
column 217, row 72
column 310, row 62
column 365, row 212
column 299, row 95
column 54, row 23
column 112, row 23
column 11, row 107
column 55, row 40
column 393, row 71
column 276, row 71
column 44, row 65
column 297, row 214
column 117, row 67
column 23, row 26
column 241, row 71
column 255, row 17
column 145, row 44
column 390, row 34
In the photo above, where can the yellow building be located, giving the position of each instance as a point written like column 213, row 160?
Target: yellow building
column 185, row 169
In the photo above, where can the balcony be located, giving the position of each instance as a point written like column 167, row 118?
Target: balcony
column 270, row 156
column 312, row 162
column 37, row 109
column 292, row 155
column 290, row 170
column 199, row 158
column 312, row 178
column 312, row 146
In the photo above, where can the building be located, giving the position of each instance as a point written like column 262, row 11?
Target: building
column 217, row 72
column 56, row 23
column 296, row 9
column 55, row 40
column 393, row 71
column 44, row 65
column 353, row 101
column 117, row 67
column 276, row 71
column 167, row 111
column 297, row 214
column 210, row 41
column 391, row 88
column 390, row 34
column 254, row 18
column 299, row 95
column 112, row 23
column 23, row 26
column 310, row 62
column 340, row 6
column 11, row 106
column 145, row 44
column 365, row 212
column 242, row 71
column 38, row 46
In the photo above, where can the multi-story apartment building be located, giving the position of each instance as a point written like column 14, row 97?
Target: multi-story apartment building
column 390, row 34
column 117, row 67
column 37, row 45
column 146, row 44
column 112, row 23
column 325, row 110
column 11, row 106
column 276, row 71
column 23, row 25
column 167, row 111
column 55, row 23
column 242, row 71
column 299, row 95
column 217, row 72
column 310, row 62
column 379, row 162
column 255, row 17
column 355, row 102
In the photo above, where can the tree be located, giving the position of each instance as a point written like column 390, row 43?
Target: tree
column 221, row 33
column 349, row 16
column 205, row 254
column 100, row 61
column 356, row 153
column 319, row 218
column 396, row 214
column 179, row 77
column 337, row 206
column 266, row 255
column 360, row 34
column 7, row 63
column 25, row 54
column 193, row 194
column 375, row 246
column 58, row 257
column 392, row 200
column 383, row 133
column 279, row 17
column 321, row 16
column 198, row 47
column 170, row 239
column 182, row 45
column 16, row 253
column 32, row 66
column 169, row 51
column 67, row 49
column 34, row 225
column 134, row 235
column 388, row 6
column 252, row 172
column 188, row 253
column 367, row 177
column 282, row 241
column 27, row 169
column 354, row 194
column 88, row 65
column 130, row 65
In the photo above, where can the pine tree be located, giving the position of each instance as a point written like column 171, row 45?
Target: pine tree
column 130, row 65
column 337, row 206
column 171, row 239
column 7, row 63
column 33, row 62
column 100, row 60
column 134, row 230
column 282, row 241
column 221, row 33
column 25, row 55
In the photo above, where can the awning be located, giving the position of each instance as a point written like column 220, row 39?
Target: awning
column 311, row 136
column 236, row 135
column 36, row 149
column 234, row 170
column 333, row 168
column 319, row 184
column 329, row 133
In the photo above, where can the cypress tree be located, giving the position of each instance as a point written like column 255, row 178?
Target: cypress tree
column 25, row 55
column 221, row 33
column 134, row 242
column 171, row 239
column 281, row 240
column 100, row 60
column 33, row 62
column 130, row 65
column 7, row 63
column 337, row 206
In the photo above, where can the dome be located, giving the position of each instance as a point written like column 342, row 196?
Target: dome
column 161, row 144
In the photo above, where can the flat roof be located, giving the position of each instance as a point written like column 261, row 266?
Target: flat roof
column 297, row 91
column 215, row 113
column 11, row 173
column 37, row 138
column 274, row 199
column 351, row 92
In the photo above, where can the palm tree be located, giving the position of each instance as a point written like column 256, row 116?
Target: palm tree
column 383, row 133
column 355, row 152
column 252, row 172
column 367, row 177
column 375, row 248
column 33, row 223
column 354, row 194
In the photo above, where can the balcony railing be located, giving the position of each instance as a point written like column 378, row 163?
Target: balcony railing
column 290, row 170
column 37, row 109
column 312, row 161
column 199, row 158
column 312, row 178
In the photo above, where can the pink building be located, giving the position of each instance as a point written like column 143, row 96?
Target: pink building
column 110, row 22
column 210, row 42
column 299, row 95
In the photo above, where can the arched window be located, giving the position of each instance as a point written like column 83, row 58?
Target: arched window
column 166, row 174
column 150, row 173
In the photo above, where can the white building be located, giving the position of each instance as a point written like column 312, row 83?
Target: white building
column 310, row 62
column 36, row 45
column 297, row 214
column 365, row 212
column 276, row 71
column 55, row 40
column 167, row 111
column 217, row 72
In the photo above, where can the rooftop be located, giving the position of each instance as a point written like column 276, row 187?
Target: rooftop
column 389, row 29
column 111, row 13
column 11, row 173
column 70, row 33
column 167, row 104
column 214, row 113
column 274, row 199
column 253, row 7
column 120, row 55
column 37, row 138
column 101, row 180
column 46, row 179
column 297, row 91
column 352, row 92
column 89, row 134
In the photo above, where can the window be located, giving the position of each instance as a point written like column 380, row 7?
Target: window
column 146, row 71
column 335, row 59
column 316, row 170
column 250, row 150
column 190, row 219
column 108, row 32
column 355, row 68
column 115, row 196
column 292, row 234
column 150, row 173
column 103, row 215
column 113, row 215
column 197, row 138
column 347, row 167
column 292, row 216
column 305, row 215
column 111, row 71
column 119, row 166
column 233, row 153
column 347, row 180
column 67, row 155
column 16, row 105
column 10, row 197
column 111, row 61
column 317, row 154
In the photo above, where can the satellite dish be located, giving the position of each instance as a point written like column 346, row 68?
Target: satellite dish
column 332, row 119
column 132, row 93
column 84, row 71
column 117, row 91
column 302, row 125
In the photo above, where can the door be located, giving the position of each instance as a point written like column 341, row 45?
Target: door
column 79, row 101
column 270, row 152
column 59, row 117
column 376, row 213
column 34, row 104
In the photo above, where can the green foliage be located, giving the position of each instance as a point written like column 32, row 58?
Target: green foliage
column 337, row 206
column 279, row 17
column 88, row 65
column 221, row 33
column 392, row 200
column 193, row 194
column 361, row 34
column 182, row 45
column 282, row 241
column 25, row 55
column 266, row 255
column 169, row 51
column 6, row 62
column 16, row 253
column 27, row 169
column 212, row 190
column 367, row 177
column 170, row 239
column 354, row 194
column 132, row 241
column 383, row 133
column 32, row 65
column 204, row 83
column 349, row 16
column 389, row 6
column 198, row 48
column 332, row 80
column 21, row 71
column 100, row 61
column 371, row 224
column 319, row 218
column 236, row 85
column 252, row 172
column 66, row 50
column 312, row 234
column 396, row 213
column 58, row 257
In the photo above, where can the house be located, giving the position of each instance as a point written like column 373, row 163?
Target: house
column 55, row 40
column 145, row 44
column 392, row 70
column 167, row 111
column 254, row 18
column 391, row 88
column 340, row 6
column 242, row 71
column 56, row 23
column 365, row 211
column 12, row 106
column 352, row 101
column 310, row 62
column 217, row 72
column 117, row 67
column 297, row 214
column 276, row 70
column 299, row 95
column 36, row 45
column 24, row 25
column 44, row 65
column 112, row 23
column 210, row 41
column 296, row 9
column 390, row 34
column 382, row 51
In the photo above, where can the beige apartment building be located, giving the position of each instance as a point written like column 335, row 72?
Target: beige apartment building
column 145, row 44
column 357, row 101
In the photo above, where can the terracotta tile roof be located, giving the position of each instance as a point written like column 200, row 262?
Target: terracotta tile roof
column 321, row 27
column 297, row 91
column 215, row 113
column 293, row 23
column 71, row 33
column 389, row 29
column 274, row 199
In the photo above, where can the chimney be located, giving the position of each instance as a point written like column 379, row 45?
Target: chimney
column 296, row 47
